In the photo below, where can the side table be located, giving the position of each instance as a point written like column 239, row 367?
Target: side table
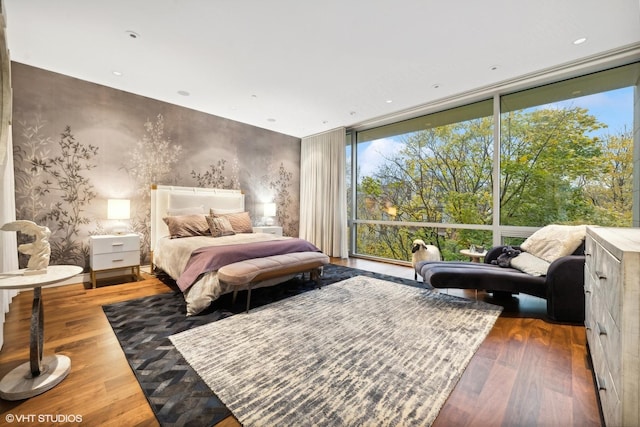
column 113, row 252
column 475, row 256
column 38, row 375
column 271, row 229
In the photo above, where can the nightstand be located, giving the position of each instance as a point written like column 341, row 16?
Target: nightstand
column 112, row 252
column 271, row 229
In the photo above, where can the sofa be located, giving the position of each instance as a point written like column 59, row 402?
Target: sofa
column 561, row 285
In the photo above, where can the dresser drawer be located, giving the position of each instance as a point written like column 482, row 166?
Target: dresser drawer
column 115, row 260
column 607, row 335
column 604, row 269
column 109, row 244
column 612, row 304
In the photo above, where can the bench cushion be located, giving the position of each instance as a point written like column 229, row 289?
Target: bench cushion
column 244, row 272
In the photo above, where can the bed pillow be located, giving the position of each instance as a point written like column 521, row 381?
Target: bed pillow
column 187, row 226
column 214, row 211
column 240, row 222
column 192, row 210
column 555, row 241
column 220, row 226
column 530, row 264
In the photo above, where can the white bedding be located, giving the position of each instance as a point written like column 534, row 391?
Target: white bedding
column 172, row 255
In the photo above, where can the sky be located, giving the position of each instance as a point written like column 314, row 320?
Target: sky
column 615, row 108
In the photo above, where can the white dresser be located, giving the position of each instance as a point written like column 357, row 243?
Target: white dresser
column 111, row 252
column 612, row 321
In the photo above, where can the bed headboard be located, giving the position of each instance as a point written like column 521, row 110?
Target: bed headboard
column 165, row 197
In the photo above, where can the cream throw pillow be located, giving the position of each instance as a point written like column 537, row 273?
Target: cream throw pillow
column 555, row 241
column 530, row 264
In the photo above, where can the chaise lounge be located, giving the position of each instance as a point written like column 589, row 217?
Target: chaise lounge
column 551, row 266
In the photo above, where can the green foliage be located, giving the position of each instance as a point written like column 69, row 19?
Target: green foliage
column 552, row 171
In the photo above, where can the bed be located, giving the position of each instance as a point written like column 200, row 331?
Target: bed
column 184, row 221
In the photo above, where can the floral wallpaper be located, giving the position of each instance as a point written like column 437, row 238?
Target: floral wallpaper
column 77, row 144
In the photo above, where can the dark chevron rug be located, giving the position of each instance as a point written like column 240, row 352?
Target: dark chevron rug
column 177, row 395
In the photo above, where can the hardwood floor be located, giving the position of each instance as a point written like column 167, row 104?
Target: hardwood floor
column 527, row 372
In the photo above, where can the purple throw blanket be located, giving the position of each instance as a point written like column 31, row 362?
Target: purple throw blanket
column 211, row 258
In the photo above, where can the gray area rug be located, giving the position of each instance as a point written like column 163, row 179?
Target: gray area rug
column 363, row 352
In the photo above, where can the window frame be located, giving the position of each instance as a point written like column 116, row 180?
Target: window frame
column 499, row 231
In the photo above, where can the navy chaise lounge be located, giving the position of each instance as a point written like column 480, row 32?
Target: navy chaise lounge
column 562, row 286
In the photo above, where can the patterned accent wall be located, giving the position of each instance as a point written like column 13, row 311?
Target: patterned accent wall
column 77, row 144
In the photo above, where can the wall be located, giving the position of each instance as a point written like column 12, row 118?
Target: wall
column 77, row 144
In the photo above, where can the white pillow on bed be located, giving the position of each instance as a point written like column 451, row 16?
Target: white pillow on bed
column 214, row 211
column 192, row 210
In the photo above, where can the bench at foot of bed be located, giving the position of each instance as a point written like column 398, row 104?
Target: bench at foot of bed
column 245, row 274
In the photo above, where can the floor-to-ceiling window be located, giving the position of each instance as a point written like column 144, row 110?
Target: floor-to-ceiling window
column 417, row 177
column 565, row 154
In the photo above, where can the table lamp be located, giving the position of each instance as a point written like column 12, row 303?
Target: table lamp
column 269, row 213
column 118, row 209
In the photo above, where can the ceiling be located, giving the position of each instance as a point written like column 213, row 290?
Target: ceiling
column 303, row 67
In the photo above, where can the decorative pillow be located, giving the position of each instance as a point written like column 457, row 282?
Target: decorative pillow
column 220, row 226
column 240, row 222
column 187, row 226
column 555, row 241
column 193, row 210
column 530, row 264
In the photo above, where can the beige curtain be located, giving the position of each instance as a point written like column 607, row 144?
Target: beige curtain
column 8, row 245
column 323, row 201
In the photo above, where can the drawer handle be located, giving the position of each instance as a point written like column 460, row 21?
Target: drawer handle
column 117, row 260
column 117, row 244
column 601, row 329
column 601, row 383
column 601, row 275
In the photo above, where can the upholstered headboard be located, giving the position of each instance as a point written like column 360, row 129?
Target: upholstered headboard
column 165, row 198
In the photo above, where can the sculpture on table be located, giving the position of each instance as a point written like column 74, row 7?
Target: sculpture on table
column 39, row 250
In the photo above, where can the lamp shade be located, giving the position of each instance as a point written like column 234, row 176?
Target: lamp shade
column 118, row 209
column 269, row 209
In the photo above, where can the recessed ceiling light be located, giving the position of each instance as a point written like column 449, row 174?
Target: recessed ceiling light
column 494, row 67
column 389, row 101
column 133, row 34
column 117, row 73
column 183, row 93
column 271, row 120
column 436, row 86
column 580, row 40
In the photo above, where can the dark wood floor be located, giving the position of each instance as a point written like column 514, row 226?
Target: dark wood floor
column 528, row 372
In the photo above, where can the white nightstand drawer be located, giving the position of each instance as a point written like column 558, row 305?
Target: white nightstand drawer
column 115, row 260
column 270, row 229
column 114, row 243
